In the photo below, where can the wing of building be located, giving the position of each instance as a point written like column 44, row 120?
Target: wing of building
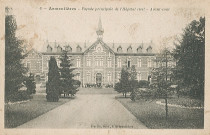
column 95, row 63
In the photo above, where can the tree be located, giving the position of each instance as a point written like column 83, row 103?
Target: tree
column 133, row 83
column 161, row 76
column 14, row 69
column 67, row 81
column 124, row 84
column 52, row 87
column 30, row 84
column 190, row 56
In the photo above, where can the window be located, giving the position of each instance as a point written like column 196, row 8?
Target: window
column 38, row 65
column 118, row 76
column 88, row 62
column 101, row 61
column 59, row 49
column 58, row 62
column 119, row 62
column 88, row 77
column 68, row 49
column 129, row 63
column 49, row 48
column 109, row 77
column 119, row 49
column 129, row 50
column 78, row 62
column 109, row 62
column 79, row 49
column 139, row 76
column 149, row 62
column 28, row 64
column 139, row 62
column 99, row 49
column 139, row 50
column 78, row 76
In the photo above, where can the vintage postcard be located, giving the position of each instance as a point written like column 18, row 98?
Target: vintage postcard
column 104, row 67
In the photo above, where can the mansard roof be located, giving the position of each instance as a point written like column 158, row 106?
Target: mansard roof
column 85, row 46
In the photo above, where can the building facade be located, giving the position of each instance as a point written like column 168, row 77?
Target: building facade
column 98, row 62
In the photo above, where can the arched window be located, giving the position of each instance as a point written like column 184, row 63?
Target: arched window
column 49, row 48
column 68, row 48
column 59, row 49
column 139, row 49
column 79, row 49
column 129, row 50
column 119, row 49
column 149, row 49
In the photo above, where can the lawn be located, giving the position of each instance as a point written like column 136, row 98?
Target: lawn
column 185, row 101
column 17, row 114
column 153, row 115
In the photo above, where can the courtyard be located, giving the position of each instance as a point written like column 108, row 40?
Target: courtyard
column 90, row 108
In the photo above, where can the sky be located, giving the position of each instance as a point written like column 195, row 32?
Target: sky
column 161, row 27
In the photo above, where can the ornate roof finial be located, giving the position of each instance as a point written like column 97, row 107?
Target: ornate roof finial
column 100, row 30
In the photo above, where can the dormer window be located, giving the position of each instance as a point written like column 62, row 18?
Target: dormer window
column 68, row 48
column 119, row 49
column 139, row 49
column 49, row 48
column 79, row 49
column 59, row 49
column 149, row 49
column 129, row 50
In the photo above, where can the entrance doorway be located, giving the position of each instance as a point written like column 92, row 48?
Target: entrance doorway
column 98, row 79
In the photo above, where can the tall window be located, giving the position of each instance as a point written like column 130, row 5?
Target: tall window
column 38, row 65
column 58, row 62
column 28, row 64
column 138, row 76
column 139, row 62
column 129, row 63
column 97, row 61
column 149, row 62
column 109, row 77
column 118, row 76
column 78, row 62
column 78, row 76
column 101, row 61
column 88, row 77
column 88, row 62
column 109, row 62
column 119, row 62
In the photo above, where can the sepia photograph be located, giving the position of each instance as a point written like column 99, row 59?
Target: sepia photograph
column 109, row 65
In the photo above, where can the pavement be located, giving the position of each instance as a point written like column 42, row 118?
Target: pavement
column 91, row 108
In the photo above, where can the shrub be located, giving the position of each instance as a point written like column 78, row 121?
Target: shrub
column 52, row 92
column 19, row 96
column 30, row 84
column 109, row 86
column 117, row 87
column 53, row 84
column 143, row 84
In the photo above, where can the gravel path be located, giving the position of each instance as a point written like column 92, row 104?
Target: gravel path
column 87, row 111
